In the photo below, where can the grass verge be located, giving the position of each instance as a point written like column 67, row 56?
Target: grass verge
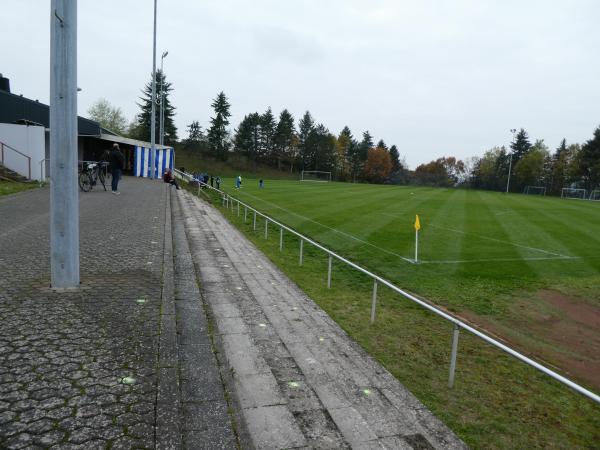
column 12, row 187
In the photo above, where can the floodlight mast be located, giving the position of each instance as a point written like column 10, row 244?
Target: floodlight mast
column 64, row 195
column 162, row 99
column 513, row 131
column 153, row 116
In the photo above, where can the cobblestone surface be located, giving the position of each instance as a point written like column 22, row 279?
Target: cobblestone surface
column 78, row 368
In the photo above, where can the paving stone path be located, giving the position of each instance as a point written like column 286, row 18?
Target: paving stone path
column 106, row 365
column 299, row 381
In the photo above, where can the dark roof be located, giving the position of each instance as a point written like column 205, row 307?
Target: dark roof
column 18, row 109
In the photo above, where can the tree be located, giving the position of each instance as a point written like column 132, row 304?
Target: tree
column 446, row 171
column 343, row 146
column 196, row 139
column 358, row 154
column 108, row 116
column 141, row 128
column 305, row 127
column 285, row 139
column 247, row 137
column 378, row 165
column 217, row 133
column 395, row 158
column 382, row 145
column 491, row 170
column 529, row 170
column 267, row 133
column 319, row 149
column 520, row 146
column 589, row 162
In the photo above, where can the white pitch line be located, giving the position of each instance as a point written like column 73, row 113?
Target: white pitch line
column 332, row 229
column 464, row 261
column 501, row 241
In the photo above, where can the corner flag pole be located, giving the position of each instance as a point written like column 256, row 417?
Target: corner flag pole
column 417, row 228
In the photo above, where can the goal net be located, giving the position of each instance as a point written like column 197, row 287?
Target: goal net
column 315, row 175
column 573, row 193
column 535, row 190
column 595, row 195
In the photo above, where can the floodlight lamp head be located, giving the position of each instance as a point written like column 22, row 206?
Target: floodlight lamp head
column 164, row 55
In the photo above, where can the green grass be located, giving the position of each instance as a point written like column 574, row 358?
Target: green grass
column 11, row 187
column 236, row 165
column 494, row 260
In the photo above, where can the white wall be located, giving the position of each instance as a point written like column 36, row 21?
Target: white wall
column 27, row 139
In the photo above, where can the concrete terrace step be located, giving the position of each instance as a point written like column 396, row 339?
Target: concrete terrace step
column 299, row 379
column 8, row 174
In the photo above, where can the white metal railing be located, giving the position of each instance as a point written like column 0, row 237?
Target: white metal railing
column 4, row 146
column 229, row 201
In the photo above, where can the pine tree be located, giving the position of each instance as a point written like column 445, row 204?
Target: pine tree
column 319, row 148
column 305, row 127
column 247, row 137
column 141, row 128
column 285, row 139
column 520, row 146
column 344, row 144
column 267, row 132
column 196, row 141
column 589, row 161
column 382, row 145
column 395, row 157
column 217, row 134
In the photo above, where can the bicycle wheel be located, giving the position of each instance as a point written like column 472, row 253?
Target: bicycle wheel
column 102, row 178
column 85, row 182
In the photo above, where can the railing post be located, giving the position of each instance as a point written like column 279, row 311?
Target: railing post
column 266, row 228
column 29, row 161
column 374, row 301
column 453, row 356
column 301, row 250
column 1, row 152
column 245, row 213
column 238, row 203
column 329, row 272
column 254, row 220
column 280, row 238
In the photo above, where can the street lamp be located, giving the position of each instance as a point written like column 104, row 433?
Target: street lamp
column 513, row 131
column 162, row 99
column 153, row 115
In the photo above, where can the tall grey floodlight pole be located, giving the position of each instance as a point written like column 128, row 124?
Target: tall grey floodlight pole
column 162, row 100
column 64, row 195
column 153, row 119
column 513, row 131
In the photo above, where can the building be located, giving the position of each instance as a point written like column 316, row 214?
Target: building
column 25, row 140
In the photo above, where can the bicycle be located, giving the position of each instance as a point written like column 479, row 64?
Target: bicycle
column 91, row 173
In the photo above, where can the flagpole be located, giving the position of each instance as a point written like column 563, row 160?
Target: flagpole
column 417, row 228
column 416, row 246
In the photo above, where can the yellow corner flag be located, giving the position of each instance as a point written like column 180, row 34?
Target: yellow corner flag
column 417, row 223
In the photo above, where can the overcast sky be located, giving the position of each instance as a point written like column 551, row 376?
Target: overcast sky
column 433, row 77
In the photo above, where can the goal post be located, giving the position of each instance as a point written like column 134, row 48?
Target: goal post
column 572, row 193
column 535, row 190
column 595, row 195
column 315, row 175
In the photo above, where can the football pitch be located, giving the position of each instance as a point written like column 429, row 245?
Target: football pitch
column 523, row 269
column 512, row 264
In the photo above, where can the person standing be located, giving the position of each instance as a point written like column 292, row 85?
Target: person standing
column 117, row 162
column 261, row 184
column 218, row 181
